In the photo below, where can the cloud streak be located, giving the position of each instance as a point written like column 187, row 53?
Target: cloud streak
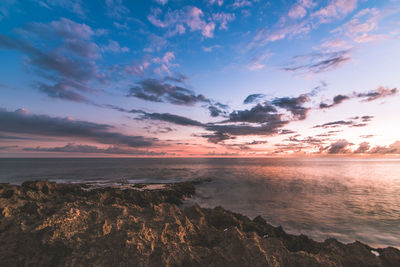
column 88, row 149
column 22, row 122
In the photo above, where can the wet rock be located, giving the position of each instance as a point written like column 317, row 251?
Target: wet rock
column 49, row 224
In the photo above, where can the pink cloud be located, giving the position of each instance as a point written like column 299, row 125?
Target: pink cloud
column 297, row 12
column 335, row 9
column 191, row 17
column 223, row 19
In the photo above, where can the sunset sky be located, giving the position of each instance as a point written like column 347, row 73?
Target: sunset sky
column 199, row 78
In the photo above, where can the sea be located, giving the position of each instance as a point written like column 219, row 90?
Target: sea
column 345, row 198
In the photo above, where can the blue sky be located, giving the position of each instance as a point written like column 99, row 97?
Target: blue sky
column 199, row 78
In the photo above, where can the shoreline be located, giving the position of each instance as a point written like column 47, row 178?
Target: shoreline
column 45, row 223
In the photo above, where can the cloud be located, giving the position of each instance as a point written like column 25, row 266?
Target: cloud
column 165, row 63
column 380, row 92
column 299, row 9
column 72, row 148
column 334, row 124
column 367, row 136
column 268, row 35
column 75, row 6
column 367, row 118
column 297, row 12
column 294, row 105
column 156, row 43
column 339, row 147
column 214, row 111
column 61, row 90
column 308, row 140
column 391, row 149
column 263, row 119
column 217, row 137
column 253, row 98
column 114, row 46
column 362, row 148
column 296, row 23
column 336, row 101
column 65, row 59
column 218, row 2
column 158, row 91
column 167, row 117
column 260, row 113
column 189, row 18
column 7, row 147
column 210, row 48
column 116, row 9
column 242, row 3
column 266, row 129
column 22, row 122
column 318, row 62
column 11, row 137
column 161, row 2
column 335, row 9
column 351, row 123
column 257, row 61
column 223, row 19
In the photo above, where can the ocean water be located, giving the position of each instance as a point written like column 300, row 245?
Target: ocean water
column 348, row 199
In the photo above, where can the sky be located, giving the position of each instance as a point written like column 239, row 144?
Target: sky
column 206, row 78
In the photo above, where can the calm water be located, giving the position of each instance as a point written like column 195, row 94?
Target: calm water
column 348, row 199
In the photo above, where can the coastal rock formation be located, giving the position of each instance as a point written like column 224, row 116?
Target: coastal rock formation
column 49, row 224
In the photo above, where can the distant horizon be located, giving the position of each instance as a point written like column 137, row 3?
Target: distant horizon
column 211, row 78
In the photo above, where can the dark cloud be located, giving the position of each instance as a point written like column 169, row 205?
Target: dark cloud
column 217, row 137
column 214, row 111
column 294, row 105
column 286, row 131
column 155, row 90
column 217, row 109
column 120, row 109
column 260, row 113
column 358, row 125
column 241, row 129
column 362, row 148
column 63, row 57
column 22, row 122
column 72, row 148
column 318, row 62
column 167, row 117
column 380, row 92
column 12, row 137
column 367, row 118
column 336, row 101
column 177, row 78
column 339, row 147
column 158, row 91
column 62, row 91
column 252, row 98
column 334, row 124
column 7, row 147
column 262, row 119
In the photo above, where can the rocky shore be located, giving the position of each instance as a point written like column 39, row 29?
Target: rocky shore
column 49, row 224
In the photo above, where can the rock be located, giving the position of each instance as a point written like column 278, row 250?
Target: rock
column 49, row 224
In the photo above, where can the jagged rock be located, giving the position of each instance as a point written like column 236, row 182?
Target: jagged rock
column 49, row 224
